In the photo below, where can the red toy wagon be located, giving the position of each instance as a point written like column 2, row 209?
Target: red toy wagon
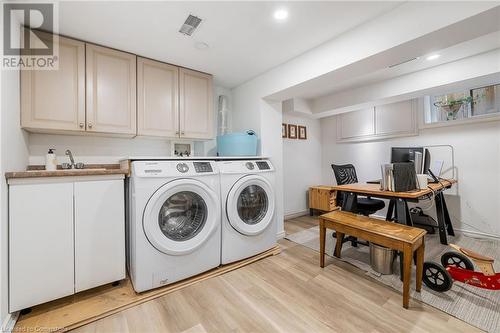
column 456, row 266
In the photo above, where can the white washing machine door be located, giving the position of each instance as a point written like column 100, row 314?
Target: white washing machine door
column 180, row 216
column 250, row 205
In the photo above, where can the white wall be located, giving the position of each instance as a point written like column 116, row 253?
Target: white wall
column 14, row 156
column 474, row 205
column 251, row 111
column 301, row 164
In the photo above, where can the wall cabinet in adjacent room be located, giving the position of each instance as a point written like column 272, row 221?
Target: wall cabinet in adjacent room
column 379, row 122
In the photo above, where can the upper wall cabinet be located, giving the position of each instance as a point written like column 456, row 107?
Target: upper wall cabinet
column 157, row 99
column 196, row 105
column 94, row 91
column 111, row 91
column 55, row 99
column 380, row 122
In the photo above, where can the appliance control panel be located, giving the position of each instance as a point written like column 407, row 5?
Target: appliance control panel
column 182, row 167
column 245, row 167
column 157, row 169
column 263, row 165
column 202, row 167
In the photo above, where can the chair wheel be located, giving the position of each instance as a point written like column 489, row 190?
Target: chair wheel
column 457, row 260
column 436, row 277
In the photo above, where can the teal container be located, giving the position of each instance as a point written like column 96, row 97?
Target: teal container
column 237, row 144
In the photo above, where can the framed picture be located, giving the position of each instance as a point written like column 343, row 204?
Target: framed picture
column 302, row 133
column 284, row 130
column 292, row 131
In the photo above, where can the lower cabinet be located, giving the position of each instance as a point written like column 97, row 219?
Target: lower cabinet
column 99, row 233
column 64, row 237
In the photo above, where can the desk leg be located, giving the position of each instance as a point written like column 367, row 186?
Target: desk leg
column 338, row 244
column 447, row 219
column 403, row 212
column 441, row 219
column 407, row 263
column 420, row 265
column 322, row 239
column 390, row 211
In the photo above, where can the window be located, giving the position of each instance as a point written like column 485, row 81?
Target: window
column 477, row 102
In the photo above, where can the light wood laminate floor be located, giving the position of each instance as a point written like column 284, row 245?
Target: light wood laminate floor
column 285, row 293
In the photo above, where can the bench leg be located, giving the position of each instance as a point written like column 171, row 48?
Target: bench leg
column 338, row 244
column 420, row 266
column 322, row 239
column 407, row 263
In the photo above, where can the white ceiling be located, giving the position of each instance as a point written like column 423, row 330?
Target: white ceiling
column 244, row 38
column 469, row 37
column 459, row 51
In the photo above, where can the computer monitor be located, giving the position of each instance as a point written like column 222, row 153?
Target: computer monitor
column 427, row 161
column 405, row 154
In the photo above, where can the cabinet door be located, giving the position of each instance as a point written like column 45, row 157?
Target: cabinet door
column 41, row 262
column 111, row 95
column 396, row 118
column 157, row 99
column 196, row 105
column 355, row 125
column 99, row 233
column 55, row 99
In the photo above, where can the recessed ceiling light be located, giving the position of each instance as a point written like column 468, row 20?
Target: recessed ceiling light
column 280, row 14
column 201, row 45
column 433, row 56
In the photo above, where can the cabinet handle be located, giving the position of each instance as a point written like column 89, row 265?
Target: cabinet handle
column 182, row 133
column 81, row 125
column 177, row 133
column 89, row 125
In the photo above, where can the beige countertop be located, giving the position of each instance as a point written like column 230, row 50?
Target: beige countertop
column 37, row 171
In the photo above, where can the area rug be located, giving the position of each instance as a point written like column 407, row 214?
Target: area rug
column 478, row 307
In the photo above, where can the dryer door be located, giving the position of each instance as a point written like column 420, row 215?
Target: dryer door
column 250, row 205
column 180, row 216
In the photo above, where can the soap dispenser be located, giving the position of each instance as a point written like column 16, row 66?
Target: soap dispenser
column 50, row 160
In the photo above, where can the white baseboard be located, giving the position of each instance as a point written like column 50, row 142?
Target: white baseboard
column 9, row 322
column 478, row 233
column 473, row 233
column 280, row 235
column 297, row 214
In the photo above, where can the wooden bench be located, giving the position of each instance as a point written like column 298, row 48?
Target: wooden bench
column 392, row 235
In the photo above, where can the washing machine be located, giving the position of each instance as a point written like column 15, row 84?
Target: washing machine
column 174, row 221
column 248, row 208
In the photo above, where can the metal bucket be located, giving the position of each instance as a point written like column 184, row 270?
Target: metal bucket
column 381, row 259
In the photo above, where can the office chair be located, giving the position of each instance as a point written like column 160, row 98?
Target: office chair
column 346, row 174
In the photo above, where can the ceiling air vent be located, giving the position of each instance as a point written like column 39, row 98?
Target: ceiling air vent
column 190, row 25
column 403, row 62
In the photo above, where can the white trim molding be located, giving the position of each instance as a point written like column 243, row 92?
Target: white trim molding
column 10, row 321
column 297, row 214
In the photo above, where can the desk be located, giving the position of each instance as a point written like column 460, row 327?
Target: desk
column 398, row 206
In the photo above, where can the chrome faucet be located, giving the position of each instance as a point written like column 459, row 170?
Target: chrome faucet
column 68, row 153
column 72, row 165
